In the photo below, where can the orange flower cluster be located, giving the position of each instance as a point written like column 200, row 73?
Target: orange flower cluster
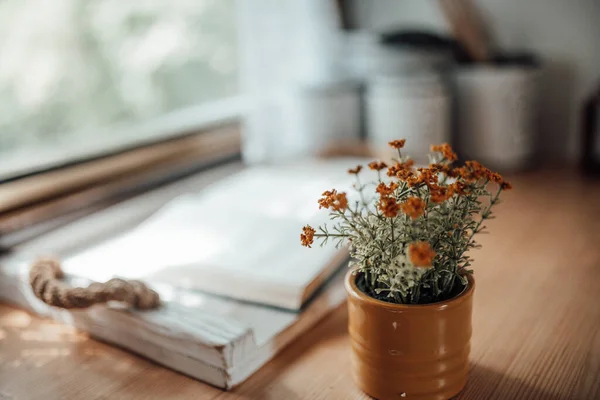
column 446, row 151
column 404, row 172
column 446, row 170
column 459, row 188
column 331, row 198
column 430, row 176
column 414, row 207
column 427, row 176
column 401, row 169
column 385, row 190
column 307, row 236
column 421, row 254
column 460, row 172
column 397, row 144
column 389, row 206
column 377, row 165
column 356, row 170
column 439, row 194
column 410, row 178
column 474, row 171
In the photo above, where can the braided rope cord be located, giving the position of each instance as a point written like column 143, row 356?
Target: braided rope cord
column 45, row 279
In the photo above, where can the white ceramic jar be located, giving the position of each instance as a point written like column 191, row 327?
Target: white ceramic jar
column 498, row 114
column 317, row 117
column 416, row 108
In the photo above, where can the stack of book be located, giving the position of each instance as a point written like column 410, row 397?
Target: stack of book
column 235, row 282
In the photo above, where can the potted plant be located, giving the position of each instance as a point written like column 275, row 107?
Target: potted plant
column 410, row 289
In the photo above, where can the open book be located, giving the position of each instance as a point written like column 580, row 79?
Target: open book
column 238, row 238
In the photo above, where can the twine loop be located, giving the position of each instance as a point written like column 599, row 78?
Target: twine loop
column 45, row 279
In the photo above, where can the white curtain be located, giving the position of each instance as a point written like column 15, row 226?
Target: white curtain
column 284, row 45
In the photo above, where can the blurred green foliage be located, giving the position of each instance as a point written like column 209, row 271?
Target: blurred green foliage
column 71, row 67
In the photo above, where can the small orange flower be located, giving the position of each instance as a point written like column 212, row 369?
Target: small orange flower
column 393, row 170
column 414, row 207
column 385, row 190
column 446, row 151
column 328, row 198
column 397, row 144
column 411, row 180
column 356, row 170
column 389, row 207
column 464, row 173
column 447, row 170
column 377, row 165
column 307, row 236
column 427, row 176
column 331, row 198
column 476, row 170
column 439, row 194
column 459, row 188
column 421, row 254
column 495, row 177
column 341, row 202
column 398, row 167
column 452, row 172
column 504, row 185
column 439, row 168
column 499, row 179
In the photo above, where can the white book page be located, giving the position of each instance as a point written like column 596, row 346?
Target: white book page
column 241, row 231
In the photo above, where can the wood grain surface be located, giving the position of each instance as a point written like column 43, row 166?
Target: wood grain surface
column 536, row 328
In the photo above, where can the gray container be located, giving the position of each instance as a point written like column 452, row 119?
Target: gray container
column 497, row 116
column 415, row 108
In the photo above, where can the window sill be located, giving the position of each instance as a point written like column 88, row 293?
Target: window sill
column 29, row 204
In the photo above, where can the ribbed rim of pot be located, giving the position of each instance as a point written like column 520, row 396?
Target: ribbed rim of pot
column 354, row 291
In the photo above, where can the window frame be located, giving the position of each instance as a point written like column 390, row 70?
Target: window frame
column 170, row 126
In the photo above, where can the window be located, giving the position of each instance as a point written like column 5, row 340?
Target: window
column 85, row 77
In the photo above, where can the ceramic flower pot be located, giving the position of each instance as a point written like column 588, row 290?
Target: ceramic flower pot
column 409, row 351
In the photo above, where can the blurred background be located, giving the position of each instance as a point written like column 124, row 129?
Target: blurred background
column 102, row 99
column 77, row 71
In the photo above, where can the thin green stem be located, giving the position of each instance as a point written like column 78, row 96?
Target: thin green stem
column 485, row 215
column 325, row 235
column 360, row 191
column 392, row 236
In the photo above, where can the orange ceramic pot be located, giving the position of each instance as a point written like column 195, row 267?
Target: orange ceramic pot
column 409, row 351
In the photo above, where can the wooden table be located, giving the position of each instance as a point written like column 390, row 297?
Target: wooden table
column 536, row 328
